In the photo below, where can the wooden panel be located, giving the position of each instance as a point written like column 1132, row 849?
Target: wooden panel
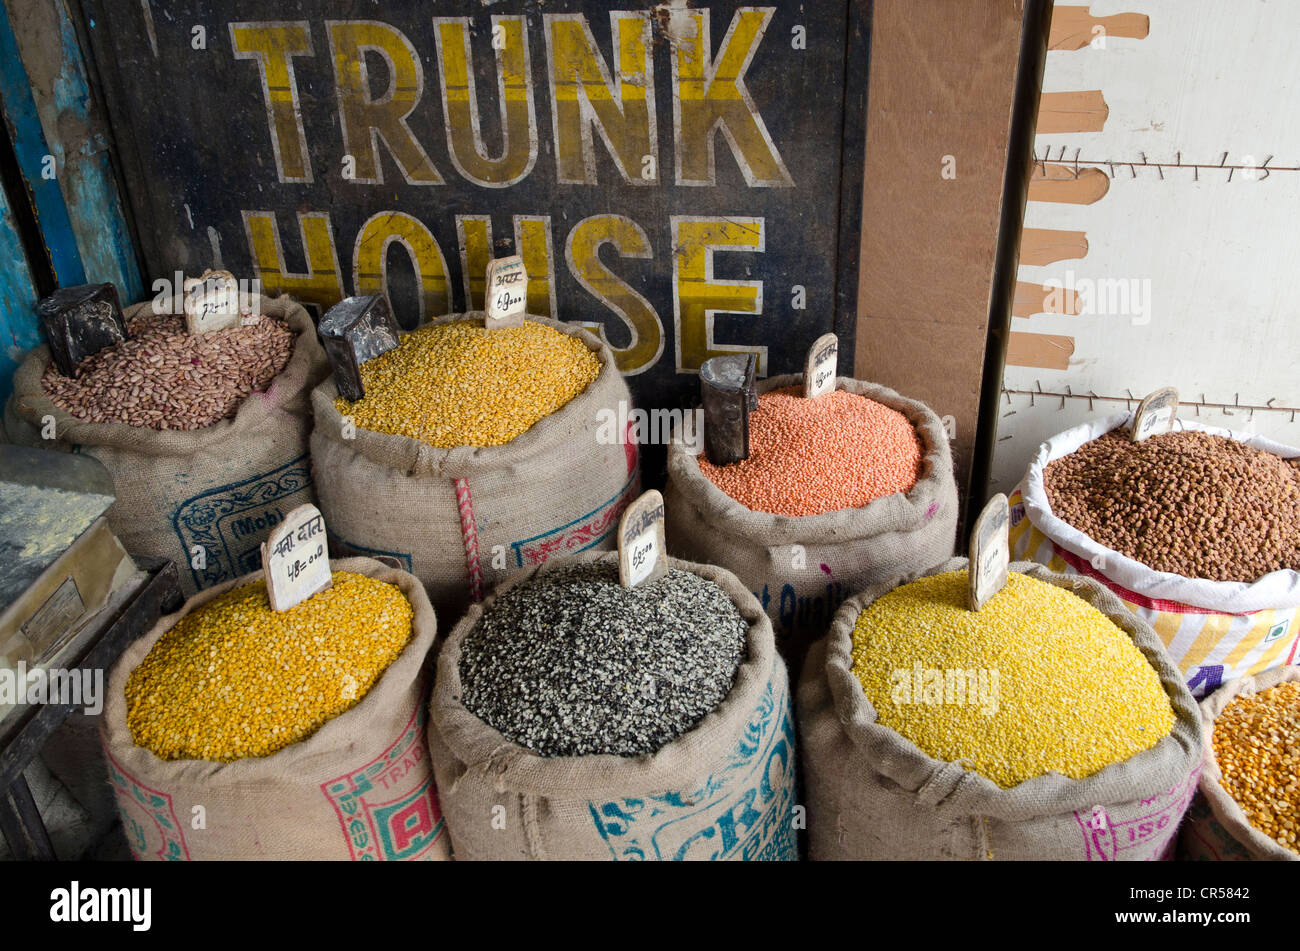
column 942, row 85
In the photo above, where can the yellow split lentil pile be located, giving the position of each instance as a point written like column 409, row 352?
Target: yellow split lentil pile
column 1257, row 746
column 458, row 384
column 235, row 679
column 1038, row 680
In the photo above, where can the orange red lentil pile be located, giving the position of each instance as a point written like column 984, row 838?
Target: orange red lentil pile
column 811, row 456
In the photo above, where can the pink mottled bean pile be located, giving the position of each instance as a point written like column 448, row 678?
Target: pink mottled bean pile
column 810, row 456
column 162, row 377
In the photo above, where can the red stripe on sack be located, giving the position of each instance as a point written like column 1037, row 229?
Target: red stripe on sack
column 1141, row 600
column 469, row 532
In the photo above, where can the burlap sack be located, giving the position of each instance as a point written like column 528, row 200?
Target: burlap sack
column 1217, row 829
column 1215, row 631
column 205, row 498
column 359, row 788
column 725, row 790
column 872, row 794
column 461, row 519
column 801, row 569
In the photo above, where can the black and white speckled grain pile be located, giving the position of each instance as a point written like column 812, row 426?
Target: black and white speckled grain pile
column 573, row 664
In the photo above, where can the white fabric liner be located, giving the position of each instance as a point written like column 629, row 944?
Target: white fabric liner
column 1277, row 589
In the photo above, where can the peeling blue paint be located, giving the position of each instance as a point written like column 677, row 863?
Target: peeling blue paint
column 18, row 332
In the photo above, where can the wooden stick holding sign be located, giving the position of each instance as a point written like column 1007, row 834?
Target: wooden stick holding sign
column 79, row 322
column 990, row 552
column 820, row 366
column 507, row 293
column 353, row 331
column 296, row 558
column 1155, row 414
column 211, row 302
column 642, row 553
column 728, row 393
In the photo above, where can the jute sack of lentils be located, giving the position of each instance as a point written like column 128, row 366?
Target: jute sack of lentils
column 1197, row 531
column 802, row 566
column 422, row 474
column 597, row 684
column 1252, row 751
column 872, row 793
column 205, row 436
column 358, row 786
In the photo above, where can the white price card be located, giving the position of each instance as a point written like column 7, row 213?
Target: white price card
column 507, row 293
column 211, row 302
column 990, row 552
column 642, row 554
column 820, row 367
column 296, row 558
column 1155, row 414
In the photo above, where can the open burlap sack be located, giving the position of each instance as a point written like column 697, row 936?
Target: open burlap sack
column 202, row 498
column 359, row 788
column 725, row 790
column 801, row 569
column 1217, row 829
column 461, row 519
column 872, row 794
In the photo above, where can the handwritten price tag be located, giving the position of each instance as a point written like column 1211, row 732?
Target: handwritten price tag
column 990, row 552
column 507, row 293
column 819, row 368
column 211, row 302
column 296, row 558
column 1155, row 414
column 642, row 554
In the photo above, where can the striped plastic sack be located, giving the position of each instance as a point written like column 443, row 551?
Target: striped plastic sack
column 1215, row 631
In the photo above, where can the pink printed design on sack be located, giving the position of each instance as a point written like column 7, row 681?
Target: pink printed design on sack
column 382, row 817
column 157, row 806
column 469, row 532
column 1103, row 840
column 583, row 533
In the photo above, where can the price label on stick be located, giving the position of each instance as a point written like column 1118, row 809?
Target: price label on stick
column 353, row 331
column 728, row 393
column 642, row 554
column 1155, row 414
column 507, row 293
column 819, row 369
column 990, row 552
column 81, row 321
column 296, row 558
column 211, row 302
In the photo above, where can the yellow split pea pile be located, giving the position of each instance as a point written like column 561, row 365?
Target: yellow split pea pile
column 1257, row 746
column 458, row 384
column 236, row 679
column 1038, row 680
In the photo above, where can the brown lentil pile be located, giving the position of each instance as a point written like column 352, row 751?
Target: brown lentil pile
column 458, row 384
column 235, row 679
column 162, row 377
column 1190, row 503
column 1257, row 746
column 1036, row 681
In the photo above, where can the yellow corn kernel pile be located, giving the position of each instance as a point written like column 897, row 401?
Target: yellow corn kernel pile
column 457, row 384
column 1037, row 680
column 1257, row 746
column 235, row 679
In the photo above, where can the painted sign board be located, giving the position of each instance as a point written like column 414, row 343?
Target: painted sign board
column 684, row 178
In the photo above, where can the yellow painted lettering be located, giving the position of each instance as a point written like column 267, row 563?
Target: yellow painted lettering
column 272, row 46
column 698, row 296
column 582, row 253
column 366, row 120
column 370, row 259
column 322, row 284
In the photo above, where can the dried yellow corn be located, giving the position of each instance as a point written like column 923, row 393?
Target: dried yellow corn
column 1036, row 681
column 235, row 679
column 457, row 384
column 1257, row 747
